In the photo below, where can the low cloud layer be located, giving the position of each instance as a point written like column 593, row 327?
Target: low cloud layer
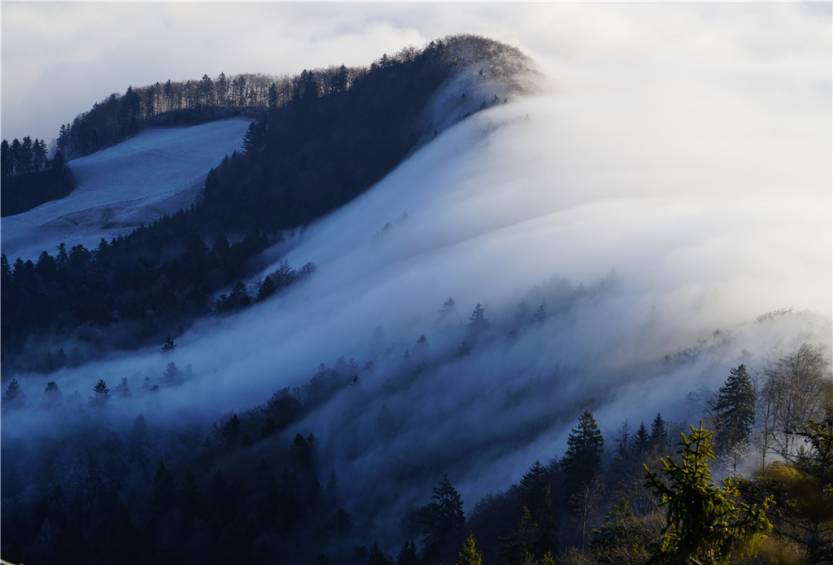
column 669, row 186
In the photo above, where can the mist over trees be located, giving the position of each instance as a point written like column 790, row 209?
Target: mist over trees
column 253, row 486
column 327, row 136
column 109, row 473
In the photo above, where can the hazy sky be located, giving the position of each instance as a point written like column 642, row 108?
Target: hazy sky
column 59, row 58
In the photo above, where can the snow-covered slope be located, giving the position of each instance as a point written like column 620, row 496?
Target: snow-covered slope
column 118, row 188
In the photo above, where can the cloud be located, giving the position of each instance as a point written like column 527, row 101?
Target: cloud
column 671, row 185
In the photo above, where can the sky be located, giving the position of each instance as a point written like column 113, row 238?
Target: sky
column 59, row 58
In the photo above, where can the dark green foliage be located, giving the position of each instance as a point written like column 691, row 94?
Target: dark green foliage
column 333, row 134
column 641, row 441
column 519, row 545
column 734, row 411
column 468, row 554
column 408, row 555
column 442, row 522
column 132, row 284
column 377, row 557
column 583, row 457
column 536, row 491
column 659, row 434
column 29, row 178
column 704, row 524
column 623, row 538
column 350, row 118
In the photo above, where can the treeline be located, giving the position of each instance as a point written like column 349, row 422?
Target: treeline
column 138, row 495
column 335, row 133
column 249, row 490
column 28, row 177
column 329, row 135
column 139, row 287
column 177, row 103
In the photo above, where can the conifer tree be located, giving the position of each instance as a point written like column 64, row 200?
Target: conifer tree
column 442, row 520
column 537, row 495
column 641, row 440
column 13, row 395
column 659, row 434
column 377, row 557
column 267, row 288
column 408, row 554
column 101, row 393
column 734, row 410
column 704, row 524
column 468, row 554
column 582, row 463
column 477, row 320
column 583, row 457
column 519, row 545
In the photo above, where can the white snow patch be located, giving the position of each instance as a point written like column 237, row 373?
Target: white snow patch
column 137, row 181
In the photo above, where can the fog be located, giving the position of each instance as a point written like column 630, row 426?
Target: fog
column 664, row 190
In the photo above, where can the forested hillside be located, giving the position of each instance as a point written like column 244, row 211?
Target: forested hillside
column 327, row 137
column 252, row 487
column 29, row 177
column 173, row 103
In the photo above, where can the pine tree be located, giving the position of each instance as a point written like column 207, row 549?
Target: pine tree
column 169, row 344
column 267, row 289
column 477, row 320
column 583, row 457
column 101, row 393
column 704, row 524
column 442, row 520
column 641, row 441
column 518, row 546
column 623, row 538
column 536, row 490
column 13, row 395
column 468, row 554
column 273, row 96
column 164, row 490
column 582, row 463
column 734, row 411
column 408, row 554
column 659, row 434
column 377, row 557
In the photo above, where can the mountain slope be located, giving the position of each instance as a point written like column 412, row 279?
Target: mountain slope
column 135, row 182
column 601, row 288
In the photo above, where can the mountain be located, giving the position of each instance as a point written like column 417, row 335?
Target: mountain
column 337, row 133
column 499, row 284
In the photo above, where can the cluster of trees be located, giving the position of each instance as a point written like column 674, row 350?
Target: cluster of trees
column 252, row 489
column 337, row 132
column 120, row 116
column 246, row 489
column 28, row 177
column 140, row 287
column 328, row 135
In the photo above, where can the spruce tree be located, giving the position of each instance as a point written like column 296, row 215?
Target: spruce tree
column 468, row 554
column 582, row 463
column 537, row 497
column 442, row 520
column 734, row 410
column 583, row 457
column 659, row 434
column 101, row 393
column 641, row 441
column 703, row 523
column 408, row 554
